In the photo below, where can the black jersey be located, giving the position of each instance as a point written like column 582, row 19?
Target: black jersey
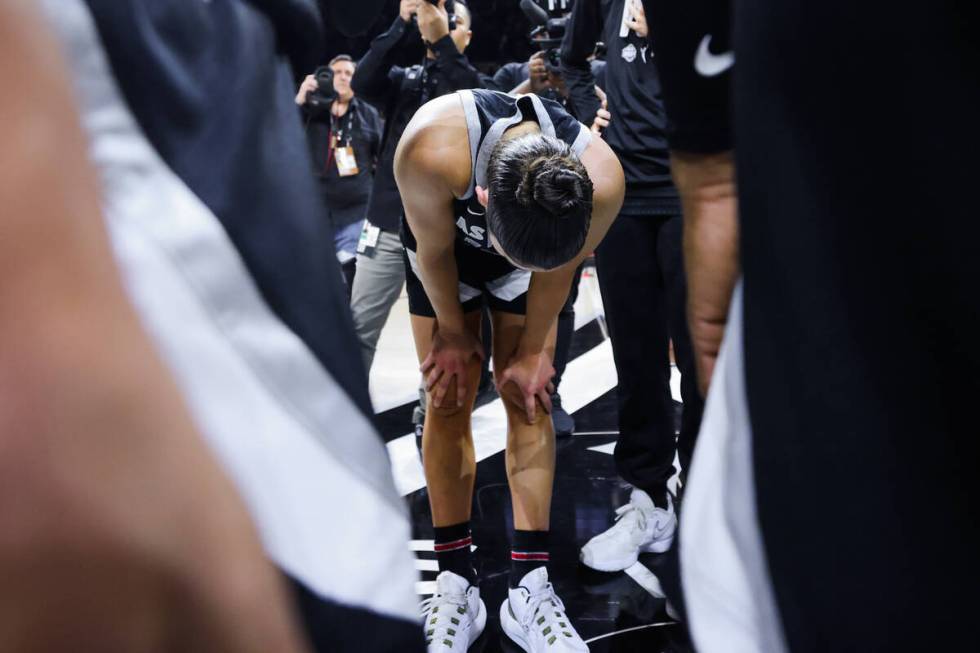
column 488, row 115
column 485, row 275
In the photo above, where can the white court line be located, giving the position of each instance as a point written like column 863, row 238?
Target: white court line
column 427, row 545
column 581, row 433
column 426, row 565
column 604, row 448
column 675, row 383
column 629, row 630
column 425, row 587
column 646, row 579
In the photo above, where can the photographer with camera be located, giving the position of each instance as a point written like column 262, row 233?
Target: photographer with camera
column 542, row 73
column 344, row 135
column 445, row 30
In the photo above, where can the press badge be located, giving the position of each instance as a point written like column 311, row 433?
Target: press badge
column 369, row 239
column 346, row 163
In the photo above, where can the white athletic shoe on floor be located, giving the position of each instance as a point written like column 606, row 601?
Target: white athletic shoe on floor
column 641, row 527
column 533, row 617
column 454, row 617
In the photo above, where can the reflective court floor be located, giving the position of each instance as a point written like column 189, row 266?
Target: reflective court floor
column 613, row 612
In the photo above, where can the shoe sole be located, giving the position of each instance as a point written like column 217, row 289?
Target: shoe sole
column 619, row 565
column 478, row 624
column 514, row 632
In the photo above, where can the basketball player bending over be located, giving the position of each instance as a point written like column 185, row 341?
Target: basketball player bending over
column 504, row 196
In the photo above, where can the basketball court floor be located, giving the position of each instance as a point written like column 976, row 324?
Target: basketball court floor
column 613, row 612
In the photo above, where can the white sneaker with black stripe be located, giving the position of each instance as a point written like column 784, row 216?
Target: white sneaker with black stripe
column 455, row 615
column 534, row 618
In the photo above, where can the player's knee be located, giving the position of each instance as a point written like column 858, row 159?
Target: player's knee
column 448, row 410
column 511, row 396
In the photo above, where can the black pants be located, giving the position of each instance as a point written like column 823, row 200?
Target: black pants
column 644, row 293
column 566, row 329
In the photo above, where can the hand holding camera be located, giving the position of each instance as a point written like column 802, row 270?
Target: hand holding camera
column 433, row 20
column 538, row 72
column 317, row 91
column 308, row 86
column 407, row 9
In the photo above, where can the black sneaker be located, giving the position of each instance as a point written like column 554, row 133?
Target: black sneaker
column 562, row 421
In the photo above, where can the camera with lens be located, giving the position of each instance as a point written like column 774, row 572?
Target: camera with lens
column 549, row 28
column 450, row 13
column 552, row 60
column 324, row 95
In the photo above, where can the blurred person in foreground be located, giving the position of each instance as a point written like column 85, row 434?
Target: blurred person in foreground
column 118, row 532
column 344, row 135
column 834, row 312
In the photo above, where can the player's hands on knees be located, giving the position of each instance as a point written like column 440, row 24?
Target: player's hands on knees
column 450, row 355
column 532, row 374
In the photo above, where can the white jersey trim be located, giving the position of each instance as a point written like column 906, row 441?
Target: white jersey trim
column 727, row 589
column 302, row 455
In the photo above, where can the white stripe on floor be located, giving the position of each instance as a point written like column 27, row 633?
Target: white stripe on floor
column 646, row 579
column 629, row 630
column 604, row 448
column 425, row 587
column 426, row 565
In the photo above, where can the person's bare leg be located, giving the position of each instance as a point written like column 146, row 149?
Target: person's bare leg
column 530, row 453
column 448, row 458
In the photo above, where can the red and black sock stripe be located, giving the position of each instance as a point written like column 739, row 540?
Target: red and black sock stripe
column 453, row 550
column 529, row 552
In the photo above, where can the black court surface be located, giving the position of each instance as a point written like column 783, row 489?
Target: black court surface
column 622, row 611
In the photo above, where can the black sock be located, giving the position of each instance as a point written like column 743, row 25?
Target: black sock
column 529, row 552
column 453, row 551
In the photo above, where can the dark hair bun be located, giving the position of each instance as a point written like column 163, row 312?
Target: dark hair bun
column 549, row 183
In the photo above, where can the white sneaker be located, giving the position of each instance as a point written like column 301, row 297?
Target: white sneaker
column 454, row 617
column 534, row 617
column 640, row 527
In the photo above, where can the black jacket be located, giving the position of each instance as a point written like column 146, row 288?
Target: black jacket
column 399, row 92
column 637, row 129
column 346, row 198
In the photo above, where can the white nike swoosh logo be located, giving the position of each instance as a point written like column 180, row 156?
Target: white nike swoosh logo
column 472, row 212
column 709, row 65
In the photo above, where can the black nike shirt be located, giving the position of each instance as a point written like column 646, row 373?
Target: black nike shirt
column 637, row 130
